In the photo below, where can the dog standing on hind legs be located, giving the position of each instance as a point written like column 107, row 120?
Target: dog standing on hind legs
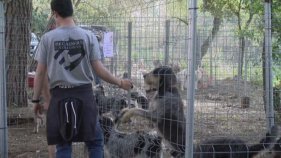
column 165, row 109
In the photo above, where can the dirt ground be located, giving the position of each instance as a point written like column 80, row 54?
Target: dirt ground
column 218, row 112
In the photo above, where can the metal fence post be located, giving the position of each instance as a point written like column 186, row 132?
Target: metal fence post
column 268, row 64
column 129, row 48
column 167, row 31
column 191, row 79
column 130, row 25
column 3, row 103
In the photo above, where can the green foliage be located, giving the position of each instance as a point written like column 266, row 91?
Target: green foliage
column 102, row 11
column 276, row 36
column 215, row 7
column 276, row 18
column 40, row 15
column 38, row 21
column 84, row 11
column 256, row 76
column 243, row 11
column 91, row 11
column 276, row 76
column 178, row 9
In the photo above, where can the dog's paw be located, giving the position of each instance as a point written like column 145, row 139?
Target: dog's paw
column 36, row 129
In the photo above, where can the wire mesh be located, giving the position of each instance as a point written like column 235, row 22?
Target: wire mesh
column 229, row 107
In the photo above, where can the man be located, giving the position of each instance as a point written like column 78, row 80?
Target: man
column 47, row 97
column 68, row 54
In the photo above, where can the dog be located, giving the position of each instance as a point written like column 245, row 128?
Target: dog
column 140, row 98
column 182, row 79
column 202, row 79
column 137, row 78
column 130, row 145
column 274, row 151
column 105, row 104
column 165, row 108
column 39, row 119
column 268, row 147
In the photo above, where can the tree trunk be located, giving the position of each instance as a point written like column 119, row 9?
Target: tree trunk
column 17, row 36
column 206, row 44
column 241, row 56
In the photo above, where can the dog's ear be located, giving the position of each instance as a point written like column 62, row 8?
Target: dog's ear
column 173, row 80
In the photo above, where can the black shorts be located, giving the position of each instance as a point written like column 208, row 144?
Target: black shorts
column 72, row 115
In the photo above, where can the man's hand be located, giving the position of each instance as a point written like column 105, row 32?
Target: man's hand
column 104, row 74
column 46, row 105
column 126, row 84
column 38, row 109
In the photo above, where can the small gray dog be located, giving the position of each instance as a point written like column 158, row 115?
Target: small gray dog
column 130, row 145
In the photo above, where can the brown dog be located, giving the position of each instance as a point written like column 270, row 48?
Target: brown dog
column 165, row 109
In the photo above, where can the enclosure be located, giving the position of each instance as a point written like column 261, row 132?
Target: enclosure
column 225, row 55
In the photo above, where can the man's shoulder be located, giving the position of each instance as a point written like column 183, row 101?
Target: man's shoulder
column 88, row 32
column 49, row 33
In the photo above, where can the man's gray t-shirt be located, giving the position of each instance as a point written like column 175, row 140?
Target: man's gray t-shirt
column 67, row 53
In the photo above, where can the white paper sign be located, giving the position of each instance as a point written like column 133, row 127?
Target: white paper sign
column 108, row 44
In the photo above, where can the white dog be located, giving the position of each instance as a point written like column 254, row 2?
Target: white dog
column 39, row 120
column 202, row 79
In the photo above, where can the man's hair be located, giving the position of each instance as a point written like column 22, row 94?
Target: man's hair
column 63, row 7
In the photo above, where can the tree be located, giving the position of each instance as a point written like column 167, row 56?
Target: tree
column 276, row 55
column 40, row 13
column 217, row 11
column 84, row 10
column 17, row 37
column 276, row 35
column 244, row 12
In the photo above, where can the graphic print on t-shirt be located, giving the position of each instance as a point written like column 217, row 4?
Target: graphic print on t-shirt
column 69, row 53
